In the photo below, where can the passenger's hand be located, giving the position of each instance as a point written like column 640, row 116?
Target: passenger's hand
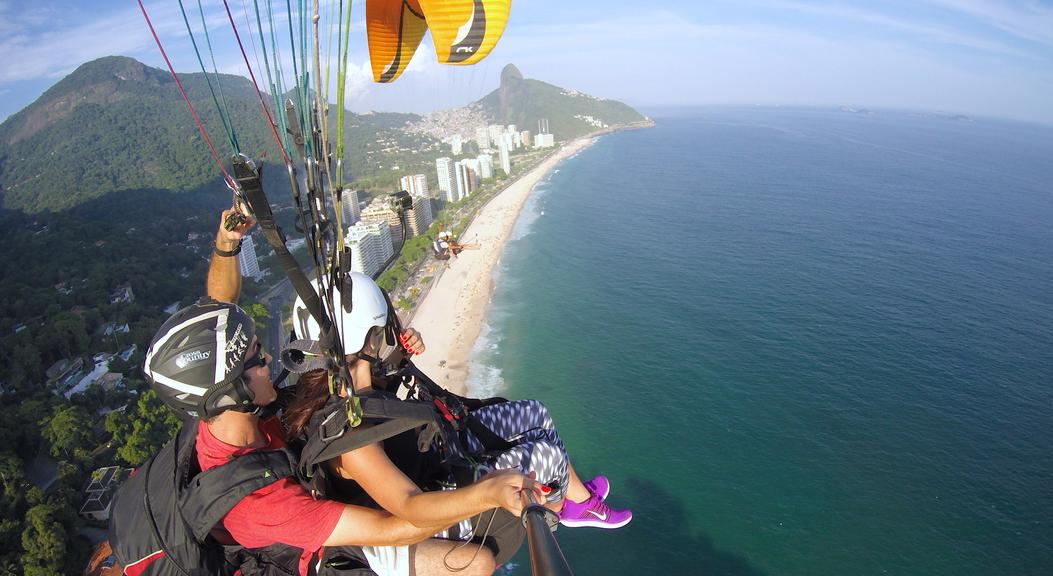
column 412, row 341
column 227, row 239
column 506, row 489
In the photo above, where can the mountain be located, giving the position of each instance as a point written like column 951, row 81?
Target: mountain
column 523, row 102
column 116, row 124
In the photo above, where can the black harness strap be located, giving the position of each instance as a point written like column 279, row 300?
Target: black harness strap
column 335, row 436
column 247, row 177
column 214, row 492
column 457, row 411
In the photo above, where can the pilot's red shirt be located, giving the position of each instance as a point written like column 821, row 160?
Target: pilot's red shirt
column 280, row 513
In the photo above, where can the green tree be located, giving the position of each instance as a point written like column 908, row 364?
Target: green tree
column 68, row 431
column 43, row 541
column 12, row 505
column 68, row 332
column 118, row 427
column 12, row 477
column 153, row 424
column 259, row 315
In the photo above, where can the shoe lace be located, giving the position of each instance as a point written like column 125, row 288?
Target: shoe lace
column 600, row 506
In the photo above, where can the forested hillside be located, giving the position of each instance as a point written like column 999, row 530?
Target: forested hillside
column 116, row 124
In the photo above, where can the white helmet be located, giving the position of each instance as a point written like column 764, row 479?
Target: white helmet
column 355, row 316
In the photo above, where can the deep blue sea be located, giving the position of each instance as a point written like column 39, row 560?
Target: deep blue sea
column 799, row 342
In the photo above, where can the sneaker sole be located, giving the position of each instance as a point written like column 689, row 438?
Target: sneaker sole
column 595, row 523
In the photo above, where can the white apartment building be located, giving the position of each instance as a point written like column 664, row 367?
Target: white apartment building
column 416, row 185
column 350, row 211
column 506, row 162
column 380, row 210
column 482, row 137
column 496, row 132
column 370, row 243
column 248, row 263
column 486, row 166
column 544, row 141
column 467, row 179
column 460, row 184
column 444, row 169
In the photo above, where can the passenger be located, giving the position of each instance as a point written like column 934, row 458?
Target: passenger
column 536, row 447
column 207, row 362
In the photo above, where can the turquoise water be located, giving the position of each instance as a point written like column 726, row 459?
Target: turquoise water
column 799, row 342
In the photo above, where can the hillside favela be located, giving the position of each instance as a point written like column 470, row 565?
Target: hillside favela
column 462, row 287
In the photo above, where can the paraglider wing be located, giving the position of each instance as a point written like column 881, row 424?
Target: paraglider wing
column 394, row 29
column 464, row 31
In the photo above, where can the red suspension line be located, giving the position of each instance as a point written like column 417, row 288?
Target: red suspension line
column 200, row 127
column 266, row 113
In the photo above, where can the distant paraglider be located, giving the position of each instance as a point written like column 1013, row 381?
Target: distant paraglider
column 445, row 247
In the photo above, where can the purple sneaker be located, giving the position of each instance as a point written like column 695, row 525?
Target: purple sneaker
column 599, row 487
column 593, row 512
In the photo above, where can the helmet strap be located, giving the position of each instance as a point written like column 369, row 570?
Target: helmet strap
column 233, row 395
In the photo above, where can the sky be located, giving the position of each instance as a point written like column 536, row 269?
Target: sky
column 978, row 57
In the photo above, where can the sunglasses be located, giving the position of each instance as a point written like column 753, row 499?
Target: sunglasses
column 258, row 359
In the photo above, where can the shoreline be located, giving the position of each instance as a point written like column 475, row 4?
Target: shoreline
column 450, row 316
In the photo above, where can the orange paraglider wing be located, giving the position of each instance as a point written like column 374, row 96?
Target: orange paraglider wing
column 464, row 31
column 394, row 29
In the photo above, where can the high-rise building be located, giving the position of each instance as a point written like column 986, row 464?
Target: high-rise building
column 486, row 166
column 460, row 183
column 380, row 210
column 473, row 166
column 467, row 178
column 456, row 144
column 495, row 133
column 349, row 207
column 453, row 195
column 444, row 169
column 542, row 126
column 416, row 185
column 370, row 243
column 524, row 138
column 248, row 263
column 506, row 162
column 544, row 141
column 419, row 216
column 482, row 137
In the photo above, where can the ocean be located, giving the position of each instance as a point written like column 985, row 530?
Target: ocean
column 799, row 342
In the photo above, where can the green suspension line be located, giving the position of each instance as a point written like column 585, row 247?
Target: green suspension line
column 221, row 110
column 341, row 78
column 275, row 95
column 219, row 85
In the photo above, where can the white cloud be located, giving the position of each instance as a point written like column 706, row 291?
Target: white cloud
column 1028, row 19
column 41, row 50
column 918, row 32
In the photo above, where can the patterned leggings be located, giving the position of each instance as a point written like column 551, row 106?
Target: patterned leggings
column 538, row 447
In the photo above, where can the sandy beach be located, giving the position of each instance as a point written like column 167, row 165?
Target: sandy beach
column 450, row 316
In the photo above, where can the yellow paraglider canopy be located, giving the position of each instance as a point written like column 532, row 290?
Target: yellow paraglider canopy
column 463, row 31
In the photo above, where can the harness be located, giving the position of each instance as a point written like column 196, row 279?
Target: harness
column 441, row 418
column 181, row 508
